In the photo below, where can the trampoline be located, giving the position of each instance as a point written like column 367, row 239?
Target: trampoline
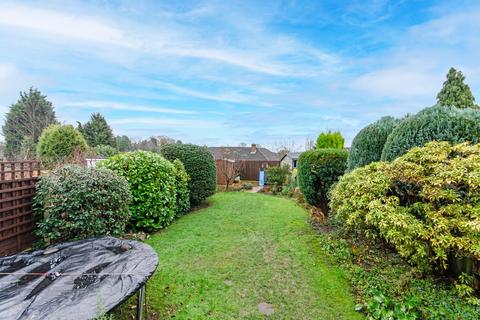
column 75, row 280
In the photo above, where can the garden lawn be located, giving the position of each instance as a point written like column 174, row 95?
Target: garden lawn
column 221, row 262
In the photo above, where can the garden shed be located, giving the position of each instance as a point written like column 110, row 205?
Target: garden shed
column 253, row 160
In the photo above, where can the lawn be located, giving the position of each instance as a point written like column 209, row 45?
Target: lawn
column 245, row 249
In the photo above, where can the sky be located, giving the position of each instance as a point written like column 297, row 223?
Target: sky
column 225, row 72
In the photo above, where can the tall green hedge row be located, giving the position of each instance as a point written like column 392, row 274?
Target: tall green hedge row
column 318, row 170
column 182, row 191
column 437, row 123
column 154, row 184
column 367, row 146
column 200, row 166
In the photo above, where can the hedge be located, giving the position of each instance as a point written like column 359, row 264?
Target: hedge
column 368, row 144
column 77, row 202
column 181, row 187
column 152, row 180
column 437, row 123
column 59, row 144
column 277, row 177
column 424, row 204
column 200, row 166
column 318, row 170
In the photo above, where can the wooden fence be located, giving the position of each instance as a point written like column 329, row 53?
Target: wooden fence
column 250, row 170
column 17, row 188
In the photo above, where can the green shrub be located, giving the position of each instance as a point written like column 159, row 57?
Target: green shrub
column 59, row 144
column 105, row 151
column 200, row 166
column 76, row 202
column 152, row 181
column 318, row 170
column 277, row 176
column 425, row 203
column 438, row 123
column 181, row 187
column 368, row 144
column 386, row 287
column 330, row 140
column 291, row 183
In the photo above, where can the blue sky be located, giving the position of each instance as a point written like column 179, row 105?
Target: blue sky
column 225, row 72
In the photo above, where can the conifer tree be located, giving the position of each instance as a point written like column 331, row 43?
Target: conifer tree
column 455, row 92
column 97, row 131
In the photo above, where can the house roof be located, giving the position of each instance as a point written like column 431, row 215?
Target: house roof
column 291, row 155
column 243, row 153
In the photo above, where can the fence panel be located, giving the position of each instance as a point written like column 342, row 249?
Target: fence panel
column 17, row 188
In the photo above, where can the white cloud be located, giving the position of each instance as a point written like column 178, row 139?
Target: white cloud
column 258, row 51
column 12, row 81
column 232, row 97
column 124, row 106
column 184, row 123
column 399, row 82
column 65, row 25
column 415, row 64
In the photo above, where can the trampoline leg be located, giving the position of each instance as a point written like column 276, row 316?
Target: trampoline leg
column 140, row 302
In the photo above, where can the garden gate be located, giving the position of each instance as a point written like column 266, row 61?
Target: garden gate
column 17, row 188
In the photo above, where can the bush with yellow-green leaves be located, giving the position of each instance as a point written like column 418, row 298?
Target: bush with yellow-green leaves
column 426, row 203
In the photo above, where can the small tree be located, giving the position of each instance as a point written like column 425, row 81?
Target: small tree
column 25, row 122
column 60, row 144
column 455, row 92
column 97, row 131
column 330, row 140
column 230, row 167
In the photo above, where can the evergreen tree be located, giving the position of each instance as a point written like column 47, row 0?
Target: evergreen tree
column 97, row 131
column 25, row 122
column 333, row 140
column 124, row 143
column 455, row 92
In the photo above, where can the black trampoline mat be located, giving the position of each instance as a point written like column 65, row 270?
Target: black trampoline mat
column 74, row 280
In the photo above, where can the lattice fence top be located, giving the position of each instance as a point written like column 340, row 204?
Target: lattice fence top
column 16, row 170
column 17, row 189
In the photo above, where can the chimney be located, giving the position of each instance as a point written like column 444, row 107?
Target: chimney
column 253, row 149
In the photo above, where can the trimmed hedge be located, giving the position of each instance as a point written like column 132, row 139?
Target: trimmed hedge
column 152, row 181
column 425, row 203
column 330, row 140
column 76, row 202
column 437, row 123
column 200, row 166
column 367, row 146
column 58, row 144
column 318, row 170
column 182, row 191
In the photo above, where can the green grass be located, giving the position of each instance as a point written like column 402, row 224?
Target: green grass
column 264, row 245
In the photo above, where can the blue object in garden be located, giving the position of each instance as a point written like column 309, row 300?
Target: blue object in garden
column 261, row 178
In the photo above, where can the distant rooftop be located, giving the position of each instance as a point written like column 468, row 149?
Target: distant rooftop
column 252, row 153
